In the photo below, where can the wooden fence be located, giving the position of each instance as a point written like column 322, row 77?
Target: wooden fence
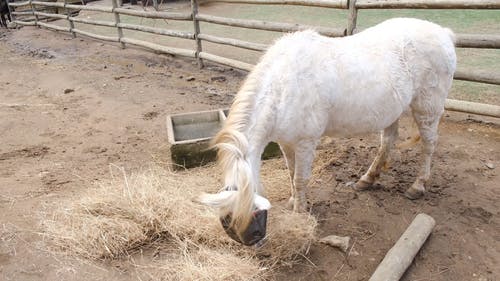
column 33, row 8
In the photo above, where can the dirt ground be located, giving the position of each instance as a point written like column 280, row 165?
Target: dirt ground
column 70, row 107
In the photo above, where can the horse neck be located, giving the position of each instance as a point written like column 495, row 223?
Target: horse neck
column 239, row 155
column 244, row 131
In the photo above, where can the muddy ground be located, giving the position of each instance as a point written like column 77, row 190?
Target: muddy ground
column 71, row 107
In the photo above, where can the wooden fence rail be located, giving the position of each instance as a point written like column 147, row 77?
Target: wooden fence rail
column 428, row 4
column 352, row 6
column 269, row 26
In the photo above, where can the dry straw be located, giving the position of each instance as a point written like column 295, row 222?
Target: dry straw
column 118, row 220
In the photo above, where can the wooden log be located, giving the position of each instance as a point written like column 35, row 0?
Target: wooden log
column 428, row 4
column 13, row 17
column 70, row 22
column 23, row 13
column 96, row 36
column 269, row 26
column 25, row 23
column 233, row 42
column 156, row 30
column 119, row 30
column 401, row 255
column 196, row 26
column 473, row 107
column 352, row 17
column 103, row 9
column 160, row 48
column 49, row 15
column 74, row 7
column 92, row 22
column 226, row 61
column 478, row 41
column 48, row 4
column 52, row 26
column 475, row 76
column 19, row 4
column 32, row 7
column 154, row 14
column 338, row 4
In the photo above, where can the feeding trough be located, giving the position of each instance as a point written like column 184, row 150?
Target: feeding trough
column 189, row 135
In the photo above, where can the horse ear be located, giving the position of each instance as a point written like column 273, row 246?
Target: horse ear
column 221, row 200
column 261, row 203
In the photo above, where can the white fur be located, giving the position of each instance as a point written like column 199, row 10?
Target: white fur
column 307, row 86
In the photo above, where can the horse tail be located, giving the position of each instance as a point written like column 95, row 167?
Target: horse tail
column 232, row 157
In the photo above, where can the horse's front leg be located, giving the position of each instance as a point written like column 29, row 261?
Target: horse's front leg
column 304, row 156
column 289, row 153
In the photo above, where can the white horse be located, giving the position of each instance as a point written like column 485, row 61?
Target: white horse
column 307, row 86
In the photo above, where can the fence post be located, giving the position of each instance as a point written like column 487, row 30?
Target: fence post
column 194, row 8
column 353, row 17
column 12, row 17
column 33, row 11
column 71, row 23
column 117, row 22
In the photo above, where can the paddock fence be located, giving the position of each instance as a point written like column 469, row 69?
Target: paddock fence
column 36, row 13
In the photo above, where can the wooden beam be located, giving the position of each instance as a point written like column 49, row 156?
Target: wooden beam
column 428, row 4
column 53, row 26
column 226, row 61
column 156, row 30
column 338, row 4
column 352, row 17
column 478, row 76
column 473, row 107
column 154, row 14
column 96, row 36
column 478, row 41
column 160, row 48
column 92, row 22
column 234, row 42
column 401, row 255
column 269, row 26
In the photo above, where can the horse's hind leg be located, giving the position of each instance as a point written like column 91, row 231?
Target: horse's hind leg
column 427, row 122
column 388, row 136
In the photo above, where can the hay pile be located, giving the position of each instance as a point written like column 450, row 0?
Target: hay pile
column 155, row 209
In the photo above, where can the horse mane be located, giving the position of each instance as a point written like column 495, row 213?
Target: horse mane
column 232, row 146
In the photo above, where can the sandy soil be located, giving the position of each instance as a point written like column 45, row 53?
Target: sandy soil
column 70, row 107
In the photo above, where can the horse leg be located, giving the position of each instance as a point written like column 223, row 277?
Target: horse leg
column 428, row 128
column 387, row 138
column 304, row 156
column 289, row 153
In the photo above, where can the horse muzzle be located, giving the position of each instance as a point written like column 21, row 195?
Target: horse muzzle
column 255, row 231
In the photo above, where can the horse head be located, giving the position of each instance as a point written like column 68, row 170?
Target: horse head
column 247, row 233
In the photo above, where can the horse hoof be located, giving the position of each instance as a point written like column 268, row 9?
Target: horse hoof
column 413, row 193
column 361, row 185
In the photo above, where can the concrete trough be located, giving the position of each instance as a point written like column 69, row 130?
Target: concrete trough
column 189, row 135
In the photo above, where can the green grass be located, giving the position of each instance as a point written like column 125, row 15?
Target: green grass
column 461, row 21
